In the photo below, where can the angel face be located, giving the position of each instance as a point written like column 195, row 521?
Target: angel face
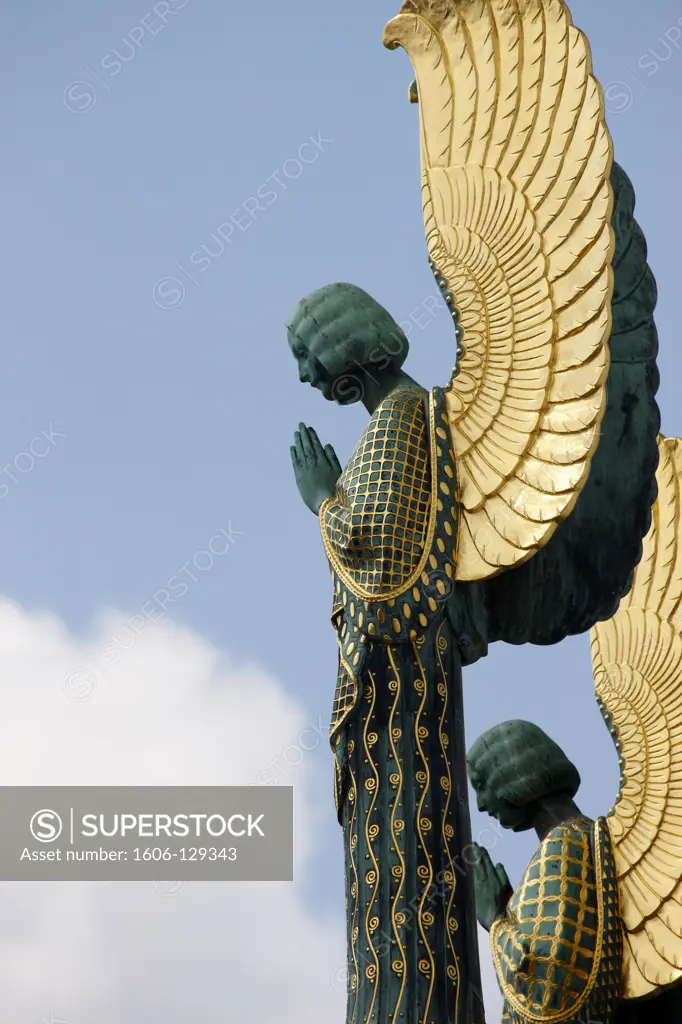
column 343, row 341
column 490, row 802
column 311, row 369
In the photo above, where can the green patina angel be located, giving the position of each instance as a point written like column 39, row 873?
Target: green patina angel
column 558, row 939
column 508, row 505
column 397, row 725
column 593, row 931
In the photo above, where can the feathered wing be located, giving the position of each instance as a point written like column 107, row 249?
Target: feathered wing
column 516, row 162
column 637, row 660
column 580, row 576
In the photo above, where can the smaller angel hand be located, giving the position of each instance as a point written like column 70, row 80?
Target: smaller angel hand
column 316, row 469
column 493, row 889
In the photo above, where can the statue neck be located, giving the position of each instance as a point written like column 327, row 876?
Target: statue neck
column 375, row 391
column 553, row 811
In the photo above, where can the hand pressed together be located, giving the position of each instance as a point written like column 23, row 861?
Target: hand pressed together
column 493, row 889
column 316, row 469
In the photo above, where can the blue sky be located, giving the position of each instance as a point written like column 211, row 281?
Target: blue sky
column 132, row 139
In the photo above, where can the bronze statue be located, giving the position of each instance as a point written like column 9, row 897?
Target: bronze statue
column 557, row 941
column 594, row 929
column 510, row 504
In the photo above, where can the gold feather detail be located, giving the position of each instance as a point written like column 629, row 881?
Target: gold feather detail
column 637, row 661
column 516, row 163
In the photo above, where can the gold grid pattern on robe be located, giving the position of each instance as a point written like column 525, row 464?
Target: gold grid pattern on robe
column 556, row 910
column 378, row 522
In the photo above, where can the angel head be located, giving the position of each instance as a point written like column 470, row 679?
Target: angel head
column 514, row 768
column 344, row 341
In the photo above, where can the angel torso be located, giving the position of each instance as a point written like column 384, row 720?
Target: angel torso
column 390, row 530
column 559, row 951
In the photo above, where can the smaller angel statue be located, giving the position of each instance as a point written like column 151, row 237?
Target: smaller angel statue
column 593, row 933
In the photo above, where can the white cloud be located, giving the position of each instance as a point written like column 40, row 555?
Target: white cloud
column 172, row 710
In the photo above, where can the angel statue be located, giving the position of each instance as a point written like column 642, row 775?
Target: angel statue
column 594, row 930
column 510, row 504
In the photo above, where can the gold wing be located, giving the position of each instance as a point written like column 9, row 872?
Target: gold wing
column 516, row 162
column 637, row 661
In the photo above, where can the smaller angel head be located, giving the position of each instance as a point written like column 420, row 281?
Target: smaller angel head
column 341, row 338
column 515, row 766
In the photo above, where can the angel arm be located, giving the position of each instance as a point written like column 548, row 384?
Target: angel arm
column 342, row 524
column 375, row 524
column 390, row 529
column 553, row 913
column 513, row 949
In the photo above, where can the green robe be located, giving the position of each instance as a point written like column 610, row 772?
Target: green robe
column 390, row 533
column 558, row 952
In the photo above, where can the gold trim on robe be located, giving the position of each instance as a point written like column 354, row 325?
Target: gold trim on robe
column 390, row 534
